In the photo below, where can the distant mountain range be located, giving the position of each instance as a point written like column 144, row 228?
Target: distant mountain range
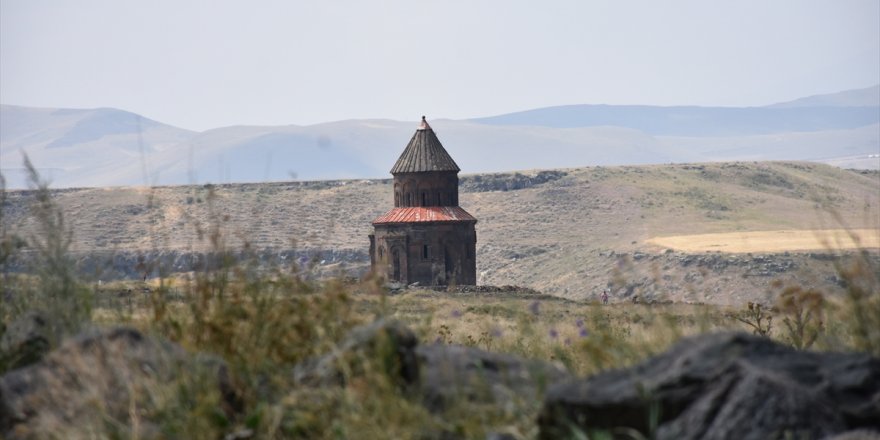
column 839, row 111
column 109, row 147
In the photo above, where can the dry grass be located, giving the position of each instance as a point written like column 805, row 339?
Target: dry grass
column 772, row 241
column 584, row 336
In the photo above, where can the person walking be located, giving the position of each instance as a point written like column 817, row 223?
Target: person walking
column 605, row 296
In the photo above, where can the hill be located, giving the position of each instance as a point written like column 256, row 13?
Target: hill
column 867, row 97
column 82, row 147
column 695, row 121
column 109, row 147
column 570, row 233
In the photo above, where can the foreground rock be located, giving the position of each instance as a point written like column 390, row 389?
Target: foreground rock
column 439, row 375
column 121, row 383
column 450, row 374
column 723, row 386
column 104, row 380
column 388, row 343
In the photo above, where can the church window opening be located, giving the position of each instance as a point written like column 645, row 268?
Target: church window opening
column 426, row 252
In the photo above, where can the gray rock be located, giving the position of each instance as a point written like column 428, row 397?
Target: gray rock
column 394, row 286
column 450, row 373
column 723, row 386
column 385, row 341
column 859, row 434
column 25, row 341
column 95, row 381
column 437, row 374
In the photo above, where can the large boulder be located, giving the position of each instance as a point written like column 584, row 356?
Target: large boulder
column 437, row 374
column 722, row 386
column 387, row 343
column 104, row 380
column 450, row 373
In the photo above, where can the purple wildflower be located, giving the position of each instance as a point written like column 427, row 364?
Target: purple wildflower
column 553, row 333
column 456, row 313
column 535, row 307
column 583, row 332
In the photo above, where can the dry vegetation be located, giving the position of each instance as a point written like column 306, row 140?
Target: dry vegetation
column 261, row 321
column 773, row 241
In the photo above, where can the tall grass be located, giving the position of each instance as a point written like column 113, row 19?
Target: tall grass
column 52, row 286
column 860, row 311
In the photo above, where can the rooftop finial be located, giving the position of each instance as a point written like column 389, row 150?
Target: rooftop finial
column 424, row 125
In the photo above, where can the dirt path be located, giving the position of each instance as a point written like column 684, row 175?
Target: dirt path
column 772, row 241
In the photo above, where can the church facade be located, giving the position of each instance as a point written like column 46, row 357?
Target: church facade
column 426, row 238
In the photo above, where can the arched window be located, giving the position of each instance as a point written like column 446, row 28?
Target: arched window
column 396, row 199
column 407, row 195
column 395, row 265
column 424, row 198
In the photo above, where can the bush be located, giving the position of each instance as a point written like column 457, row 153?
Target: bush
column 803, row 311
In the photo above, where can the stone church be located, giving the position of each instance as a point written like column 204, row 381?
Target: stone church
column 427, row 238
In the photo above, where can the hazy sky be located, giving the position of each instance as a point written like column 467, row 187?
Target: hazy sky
column 205, row 64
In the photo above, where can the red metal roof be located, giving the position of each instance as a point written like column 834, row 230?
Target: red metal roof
column 426, row 214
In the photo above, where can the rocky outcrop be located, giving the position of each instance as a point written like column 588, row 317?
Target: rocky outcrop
column 388, row 342
column 101, row 379
column 507, row 181
column 452, row 373
column 437, row 374
column 132, row 265
column 723, row 386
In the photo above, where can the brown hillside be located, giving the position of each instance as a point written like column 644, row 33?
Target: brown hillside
column 568, row 232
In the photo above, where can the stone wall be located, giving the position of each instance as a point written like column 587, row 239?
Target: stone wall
column 429, row 254
column 426, row 189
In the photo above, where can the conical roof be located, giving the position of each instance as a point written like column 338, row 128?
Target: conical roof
column 424, row 153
